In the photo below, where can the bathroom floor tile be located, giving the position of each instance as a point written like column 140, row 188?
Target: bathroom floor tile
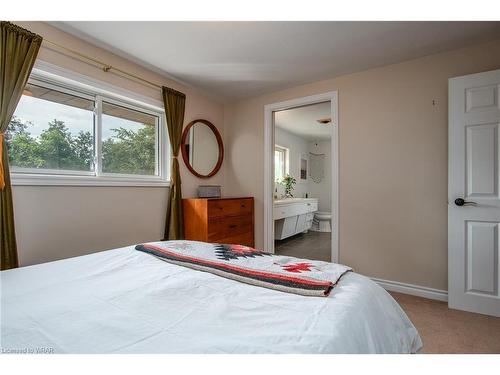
column 311, row 245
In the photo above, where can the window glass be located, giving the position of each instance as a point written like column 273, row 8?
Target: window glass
column 279, row 163
column 129, row 140
column 51, row 129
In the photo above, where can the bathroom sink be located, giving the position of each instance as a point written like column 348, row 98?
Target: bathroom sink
column 294, row 200
column 293, row 215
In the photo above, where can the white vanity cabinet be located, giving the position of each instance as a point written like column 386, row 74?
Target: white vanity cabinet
column 293, row 215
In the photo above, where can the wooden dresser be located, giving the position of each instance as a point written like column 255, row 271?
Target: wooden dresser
column 219, row 220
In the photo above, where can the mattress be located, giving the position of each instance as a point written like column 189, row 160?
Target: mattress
column 127, row 301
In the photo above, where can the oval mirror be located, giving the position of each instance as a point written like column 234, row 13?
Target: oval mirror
column 202, row 149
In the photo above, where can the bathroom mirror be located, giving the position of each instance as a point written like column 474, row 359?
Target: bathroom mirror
column 202, row 148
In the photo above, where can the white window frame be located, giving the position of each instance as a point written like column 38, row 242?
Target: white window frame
column 62, row 80
column 286, row 161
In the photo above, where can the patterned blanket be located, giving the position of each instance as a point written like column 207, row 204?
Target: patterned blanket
column 251, row 266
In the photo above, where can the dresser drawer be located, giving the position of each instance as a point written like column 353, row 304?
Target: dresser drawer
column 229, row 207
column 223, row 220
column 231, row 226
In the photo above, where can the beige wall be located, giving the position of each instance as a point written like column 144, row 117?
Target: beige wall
column 393, row 161
column 59, row 222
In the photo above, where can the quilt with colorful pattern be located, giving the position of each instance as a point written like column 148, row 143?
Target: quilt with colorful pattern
column 248, row 265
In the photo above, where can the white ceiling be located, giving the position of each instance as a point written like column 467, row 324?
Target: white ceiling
column 301, row 121
column 236, row 60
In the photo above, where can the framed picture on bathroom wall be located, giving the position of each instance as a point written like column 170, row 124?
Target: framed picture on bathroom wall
column 304, row 167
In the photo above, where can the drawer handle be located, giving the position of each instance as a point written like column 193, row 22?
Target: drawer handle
column 232, row 226
column 242, row 206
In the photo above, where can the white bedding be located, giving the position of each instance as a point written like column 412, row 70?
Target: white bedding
column 126, row 301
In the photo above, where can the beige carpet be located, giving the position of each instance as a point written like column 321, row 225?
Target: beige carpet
column 450, row 331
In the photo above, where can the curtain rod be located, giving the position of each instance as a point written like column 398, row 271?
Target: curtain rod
column 105, row 67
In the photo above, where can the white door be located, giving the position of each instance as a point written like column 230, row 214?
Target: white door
column 473, row 193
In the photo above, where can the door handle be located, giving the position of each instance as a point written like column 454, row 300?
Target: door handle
column 461, row 202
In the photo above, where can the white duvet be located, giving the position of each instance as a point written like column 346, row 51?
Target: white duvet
column 126, row 301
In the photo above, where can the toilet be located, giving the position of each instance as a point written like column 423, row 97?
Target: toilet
column 322, row 221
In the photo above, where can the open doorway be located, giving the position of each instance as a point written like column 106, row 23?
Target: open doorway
column 301, row 182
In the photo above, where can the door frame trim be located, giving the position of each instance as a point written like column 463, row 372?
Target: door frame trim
column 269, row 109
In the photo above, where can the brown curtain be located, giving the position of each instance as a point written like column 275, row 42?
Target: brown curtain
column 174, row 102
column 18, row 51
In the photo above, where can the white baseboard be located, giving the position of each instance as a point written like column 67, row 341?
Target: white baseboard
column 414, row 290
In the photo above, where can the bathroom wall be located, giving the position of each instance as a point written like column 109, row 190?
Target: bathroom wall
column 322, row 190
column 297, row 146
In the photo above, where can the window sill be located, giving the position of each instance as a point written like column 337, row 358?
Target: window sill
column 26, row 179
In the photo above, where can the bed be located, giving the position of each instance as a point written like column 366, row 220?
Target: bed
column 127, row 301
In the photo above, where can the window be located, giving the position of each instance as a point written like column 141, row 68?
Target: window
column 129, row 140
column 51, row 130
column 65, row 133
column 280, row 163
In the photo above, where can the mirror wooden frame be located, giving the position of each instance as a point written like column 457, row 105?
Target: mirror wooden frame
column 185, row 156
